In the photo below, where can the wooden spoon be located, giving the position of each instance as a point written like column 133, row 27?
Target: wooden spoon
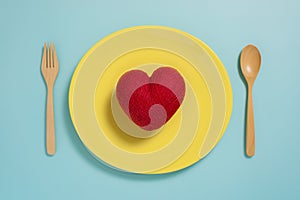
column 250, row 64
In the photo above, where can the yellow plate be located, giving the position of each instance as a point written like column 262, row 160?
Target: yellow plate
column 96, row 76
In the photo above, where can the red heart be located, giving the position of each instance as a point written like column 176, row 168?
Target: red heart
column 150, row 102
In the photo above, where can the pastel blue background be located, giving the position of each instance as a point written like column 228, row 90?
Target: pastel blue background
column 26, row 172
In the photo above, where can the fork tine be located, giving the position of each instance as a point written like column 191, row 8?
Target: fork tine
column 48, row 58
column 44, row 56
column 55, row 60
column 51, row 55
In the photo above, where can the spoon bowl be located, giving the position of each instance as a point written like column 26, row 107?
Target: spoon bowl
column 250, row 61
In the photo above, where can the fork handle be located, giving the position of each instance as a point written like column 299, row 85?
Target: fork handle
column 50, row 131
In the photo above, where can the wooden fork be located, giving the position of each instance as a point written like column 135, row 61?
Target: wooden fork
column 50, row 70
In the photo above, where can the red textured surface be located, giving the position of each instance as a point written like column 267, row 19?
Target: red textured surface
column 150, row 101
column 148, row 95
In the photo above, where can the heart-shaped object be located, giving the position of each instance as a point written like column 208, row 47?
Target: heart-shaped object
column 151, row 101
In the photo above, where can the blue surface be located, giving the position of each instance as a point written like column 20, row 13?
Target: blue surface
column 26, row 172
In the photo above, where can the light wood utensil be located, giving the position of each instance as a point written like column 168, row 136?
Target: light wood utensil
column 250, row 61
column 50, row 70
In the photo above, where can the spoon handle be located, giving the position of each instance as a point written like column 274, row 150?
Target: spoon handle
column 250, row 133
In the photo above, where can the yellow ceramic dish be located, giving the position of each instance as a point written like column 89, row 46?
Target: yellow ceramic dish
column 96, row 75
